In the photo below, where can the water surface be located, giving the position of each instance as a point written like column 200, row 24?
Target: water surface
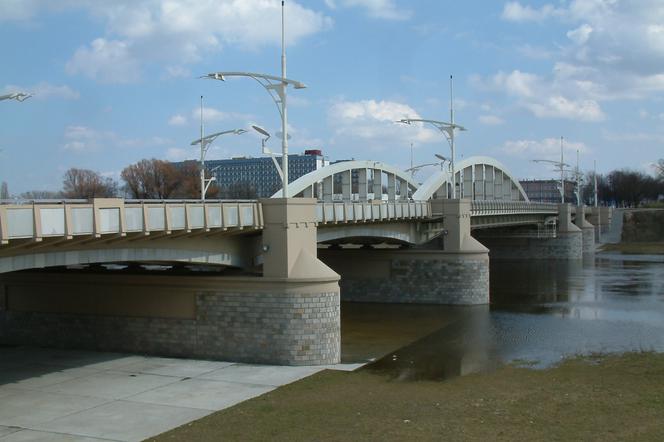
column 540, row 312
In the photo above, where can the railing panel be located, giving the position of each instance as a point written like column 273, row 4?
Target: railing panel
column 214, row 215
column 329, row 212
column 20, row 223
column 82, row 221
column 109, row 220
column 339, row 212
column 133, row 219
column 231, row 216
column 320, row 213
column 52, row 221
column 391, row 211
column 247, row 215
column 177, row 218
column 196, row 217
column 350, row 212
column 156, row 218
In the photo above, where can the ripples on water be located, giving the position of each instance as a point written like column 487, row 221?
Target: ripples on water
column 540, row 312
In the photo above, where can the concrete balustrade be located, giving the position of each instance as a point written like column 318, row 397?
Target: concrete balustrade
column 106, row 216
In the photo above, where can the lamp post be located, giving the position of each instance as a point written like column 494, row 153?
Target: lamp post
column 448, row 130
column 205, row 142
column 276, row 87
column 18, row 96
column 560, row 165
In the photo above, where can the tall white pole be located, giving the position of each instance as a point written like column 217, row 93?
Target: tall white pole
column 595, row 179
column 284, row 115
column 202, row 156
column 578, row 181
column 454, row 195
column 562, row 176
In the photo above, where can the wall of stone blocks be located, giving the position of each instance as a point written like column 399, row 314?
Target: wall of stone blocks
column 457, row 279
column 567, row 245
column 588, row 238
column 270, row 328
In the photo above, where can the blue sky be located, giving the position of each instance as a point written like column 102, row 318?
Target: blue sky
column 115, row 81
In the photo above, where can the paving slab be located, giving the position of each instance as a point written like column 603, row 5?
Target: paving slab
column 41, row 436
column 123, row 421
column 174, row 367
column 7, row 430
column 274, row 375
column 24, row 408
column 37, row 375
column 112, row 384
column 204, row 394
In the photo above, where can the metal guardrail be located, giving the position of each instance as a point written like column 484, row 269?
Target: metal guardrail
column 349, row 212
column 488, row 208
column 69, row 218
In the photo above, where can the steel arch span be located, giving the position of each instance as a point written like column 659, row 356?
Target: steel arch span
column 477, row 178
column 360, row 180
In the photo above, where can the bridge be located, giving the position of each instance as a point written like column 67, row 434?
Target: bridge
column 356, row 230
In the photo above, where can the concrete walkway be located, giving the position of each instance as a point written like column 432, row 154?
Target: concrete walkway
column 56, row 395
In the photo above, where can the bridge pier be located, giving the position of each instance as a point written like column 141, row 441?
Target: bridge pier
column 600, row 218
column 587, row 231
column 567, row 244
column 456, row 274
column 288, row 316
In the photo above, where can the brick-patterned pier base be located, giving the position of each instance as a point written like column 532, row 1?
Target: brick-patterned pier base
column 411, row 276
column 236, row 319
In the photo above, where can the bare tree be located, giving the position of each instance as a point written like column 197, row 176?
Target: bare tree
column 151, row 179
column 84, row 183
column 659, row 168
column 41, row 195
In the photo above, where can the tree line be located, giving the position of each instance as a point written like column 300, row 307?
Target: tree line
column 624, row 188
column 146, row 179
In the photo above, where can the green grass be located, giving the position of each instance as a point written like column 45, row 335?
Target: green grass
column 603, row 398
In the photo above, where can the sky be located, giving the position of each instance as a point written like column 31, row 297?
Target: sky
column 117, row 81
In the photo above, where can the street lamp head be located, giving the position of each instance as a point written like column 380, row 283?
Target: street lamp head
column 239, row 131
column 214, row 76
column 261, row 131
column 440, row 157
column 299, row 85
column 403, row 121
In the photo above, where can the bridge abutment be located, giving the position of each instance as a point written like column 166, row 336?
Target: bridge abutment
column 289, row 316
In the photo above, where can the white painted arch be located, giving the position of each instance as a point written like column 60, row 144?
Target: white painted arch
column 442, row 178
column 307, row 182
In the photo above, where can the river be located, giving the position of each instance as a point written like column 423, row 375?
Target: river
column 540, row 312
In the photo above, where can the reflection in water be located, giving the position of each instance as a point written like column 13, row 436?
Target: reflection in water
column 540, row 312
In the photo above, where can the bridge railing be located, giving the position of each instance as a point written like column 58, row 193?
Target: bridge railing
column 69, row 218
column 488, row 208
column 349, row 212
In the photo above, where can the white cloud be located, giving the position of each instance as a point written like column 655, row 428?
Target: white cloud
column 374, row 123
column 83, row 139
column 44, row 90
column 581, row 34
column 617, row 46
column 106, row 61
column 514, row 11
column 174, row 32
column 545, row 98
column 382, row 9
column 548, row 148
column 179, row 154
column 491, row 120
column 211, row 114
column 177, row 120
column 177, row 72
